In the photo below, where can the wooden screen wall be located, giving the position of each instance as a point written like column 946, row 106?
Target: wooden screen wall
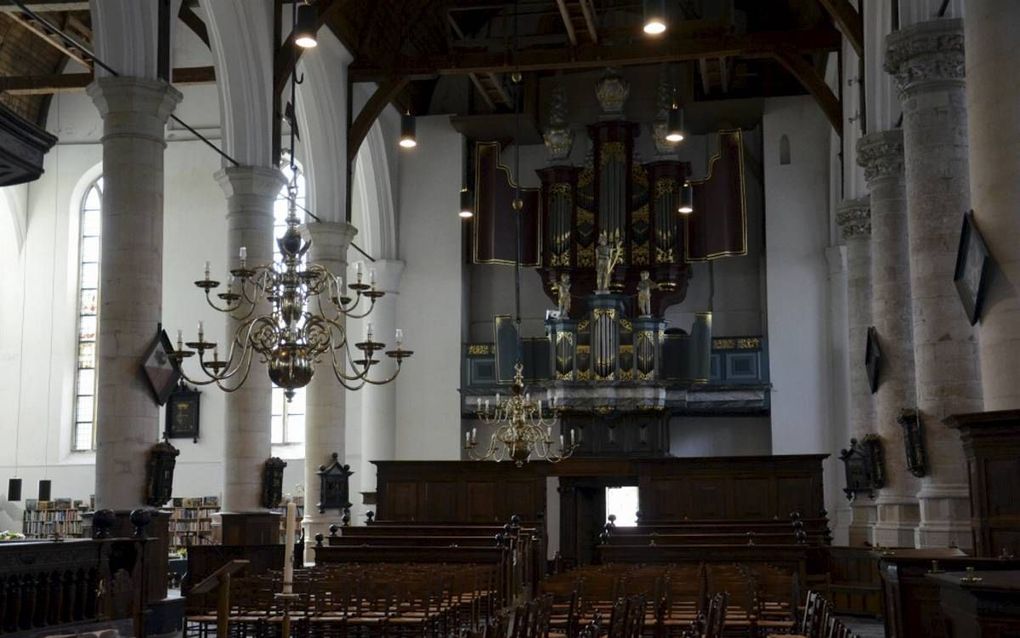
column 672, row 489
column 459, row 492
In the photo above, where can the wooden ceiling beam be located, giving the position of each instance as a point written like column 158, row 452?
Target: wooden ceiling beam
column 815, row 84
column 849, row 21
column 706, row 81
column 568, row 22
column 754, row 45
column 55, row 41
column 589, row 20
column 386, row 92
column 72, row 82
column 195, row 23
column 482, row 91
column 45, row 6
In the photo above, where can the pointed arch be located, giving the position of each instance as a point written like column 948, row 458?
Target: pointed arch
column 373, row 195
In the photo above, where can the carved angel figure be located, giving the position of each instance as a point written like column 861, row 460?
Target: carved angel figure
column 562, row 288
column 606, row 259
column 644, row 294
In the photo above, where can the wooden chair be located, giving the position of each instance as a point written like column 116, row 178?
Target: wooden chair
column 715, row 619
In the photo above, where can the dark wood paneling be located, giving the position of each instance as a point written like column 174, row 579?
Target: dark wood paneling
column 855, row 586
column 912, row 605
column 401, row 500
column 988, row 608
column 481, row 501
column 441, row 502
column 751, row 496
column 459, row 492
column 991, row 442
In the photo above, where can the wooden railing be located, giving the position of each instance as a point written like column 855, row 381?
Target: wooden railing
column 46, row 584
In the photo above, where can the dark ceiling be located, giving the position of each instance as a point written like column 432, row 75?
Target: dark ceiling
column 456, row 56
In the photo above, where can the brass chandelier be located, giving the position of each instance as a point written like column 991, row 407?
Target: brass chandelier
column 291, row 316
column 522, row 431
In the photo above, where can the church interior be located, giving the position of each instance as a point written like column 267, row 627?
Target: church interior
column 510, row 318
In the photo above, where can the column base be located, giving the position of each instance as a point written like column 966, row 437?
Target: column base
column 249, row 528
column 315, row 523
column 896, row 522
column 158, row 546
column 863, row 515
column 945, row 517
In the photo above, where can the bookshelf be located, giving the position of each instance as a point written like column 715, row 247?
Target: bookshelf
column 67, row 517
column 191, row 521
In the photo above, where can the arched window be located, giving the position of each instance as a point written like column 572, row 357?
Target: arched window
column 288, row 418
column 83, row 435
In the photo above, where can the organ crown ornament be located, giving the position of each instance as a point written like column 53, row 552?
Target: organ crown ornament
column 665, row 98
column 612, row 91
column 558, row 138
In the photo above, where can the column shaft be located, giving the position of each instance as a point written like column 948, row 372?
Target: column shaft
column 325, row 417
column 854, row 217
column 927, row 61
column 251, row 192
column 378, row 403
column 881, row 154
column 134, row 114
column 993, row 105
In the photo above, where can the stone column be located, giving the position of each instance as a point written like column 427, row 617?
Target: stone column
column 993, row 105
column 325, row 417
column 881, row 155
column 251, row 192
column 927, row 61
column 854, row 218
column 134, row 113
column 378, row 402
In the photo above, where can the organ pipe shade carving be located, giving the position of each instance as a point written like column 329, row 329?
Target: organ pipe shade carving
column 494, row 218
column 718, row 225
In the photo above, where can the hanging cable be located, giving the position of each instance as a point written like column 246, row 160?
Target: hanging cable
column 87, row 52
column 518, row 204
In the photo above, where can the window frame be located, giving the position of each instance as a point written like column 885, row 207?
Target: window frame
column 96, row 186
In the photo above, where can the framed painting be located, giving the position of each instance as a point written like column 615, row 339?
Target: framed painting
column 972, row 268
column 872, row 359
column 182, row 413
column 160, row 369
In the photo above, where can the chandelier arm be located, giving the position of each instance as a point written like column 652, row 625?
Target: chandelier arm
column 226, row 309
column 255, row 283
column 243, row 340
column 385, row 381
column 331, row 312
column 345, row 381
column 350, row 314
column 247, row 356
column 343, row 377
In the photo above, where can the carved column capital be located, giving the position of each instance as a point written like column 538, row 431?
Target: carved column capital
column 880, row 154
column 854, row 218
column 926, row 54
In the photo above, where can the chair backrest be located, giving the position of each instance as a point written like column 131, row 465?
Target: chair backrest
column 817, row 612
column 716, row 618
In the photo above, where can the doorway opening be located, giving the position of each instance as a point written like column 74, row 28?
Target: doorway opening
column 623, row 503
